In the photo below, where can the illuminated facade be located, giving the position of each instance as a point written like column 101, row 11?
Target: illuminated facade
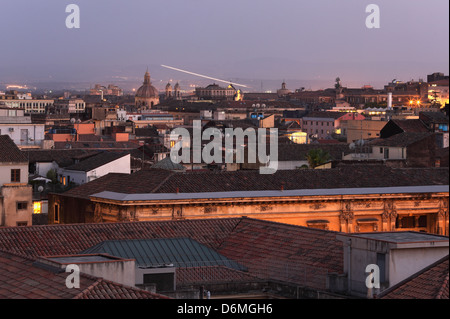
column 215, row 92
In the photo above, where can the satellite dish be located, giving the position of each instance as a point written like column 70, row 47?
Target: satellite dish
column 72, row 120
column 352, row 146
column 40, row 189
column 360, row 142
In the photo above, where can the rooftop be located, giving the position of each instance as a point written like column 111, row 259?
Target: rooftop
column 429, row 283
column 96, row 161
column 9, row 152
column 20, row 278
column 179, row 252
column 410, row 125
column 401, row 140
column 264, row 248
column 402, row 237
column 280, row 193
column 350, row 177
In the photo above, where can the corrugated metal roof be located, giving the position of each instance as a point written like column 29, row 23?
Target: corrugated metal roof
column 180, row 252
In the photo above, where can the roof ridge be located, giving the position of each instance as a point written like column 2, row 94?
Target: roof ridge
column 443, row 287
column 90, row 288
column 163, row 181
column 16, row 254
column 229, row 233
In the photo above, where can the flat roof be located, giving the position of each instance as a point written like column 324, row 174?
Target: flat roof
column 79, row 259
column 284, row 193
column 402, row 237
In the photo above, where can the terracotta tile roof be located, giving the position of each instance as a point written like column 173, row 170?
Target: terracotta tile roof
column 21, row 279
column 52, row 240
column 58, row 156
column 434, row 117
column 9, row 152
column 401, row 140
column 268, row 250
column 88, row 138
column 412, row 125
column 298, row 152
column 144, row 181
column 211, row 275
column 341, row 177
column 105, row 289
column 348, row 176
column 147, row 132
column 96, row 145
column 429, row 283
column 285, row 252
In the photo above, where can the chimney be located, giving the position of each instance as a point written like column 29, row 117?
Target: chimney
column 389, row 101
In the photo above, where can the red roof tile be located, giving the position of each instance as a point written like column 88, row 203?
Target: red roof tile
column 163, row 181
column 21, row 279
column 71, row 239
column 269, row 250
column 211, row 275
column 9, row 152
column 429, row 283
column 285, row 252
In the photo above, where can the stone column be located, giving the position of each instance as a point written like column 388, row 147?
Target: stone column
column 443, row 218
column 346, row 219
column 389, row 216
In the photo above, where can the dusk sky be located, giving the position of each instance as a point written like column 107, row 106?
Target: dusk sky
column 234, row 39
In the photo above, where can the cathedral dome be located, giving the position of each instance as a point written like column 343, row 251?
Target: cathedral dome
column 147, row 90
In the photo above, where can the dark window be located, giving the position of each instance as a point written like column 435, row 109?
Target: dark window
column 22, row 205
column 423, row 221
column 381, row 263
column 56, row 213
column 21, row 224
column 163, row 282
column 15, row 176
column 407, row 222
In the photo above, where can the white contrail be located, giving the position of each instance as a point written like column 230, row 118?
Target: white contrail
column 203, row 76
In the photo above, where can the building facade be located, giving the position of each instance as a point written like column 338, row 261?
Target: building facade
column 361, row 206
column 15, row 193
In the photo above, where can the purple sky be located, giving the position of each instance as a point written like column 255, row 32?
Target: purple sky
column 235, row 39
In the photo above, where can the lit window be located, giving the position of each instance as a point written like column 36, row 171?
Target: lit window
column 36, row 207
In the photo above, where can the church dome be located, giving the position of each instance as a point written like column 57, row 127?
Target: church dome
column 147, row 90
